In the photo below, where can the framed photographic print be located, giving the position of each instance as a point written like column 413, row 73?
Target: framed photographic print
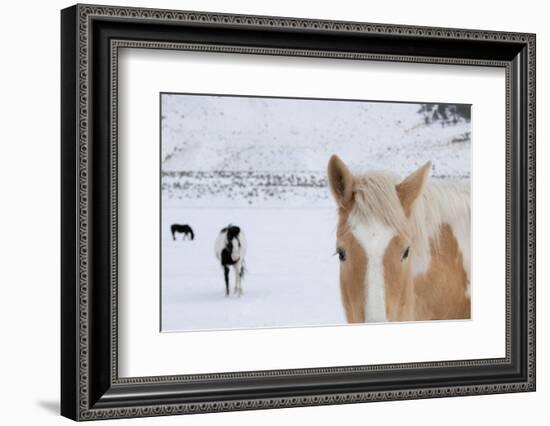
column 263, row 212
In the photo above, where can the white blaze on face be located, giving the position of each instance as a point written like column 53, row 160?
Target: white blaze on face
column 374, row 238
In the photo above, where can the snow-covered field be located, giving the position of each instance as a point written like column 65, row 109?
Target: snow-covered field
column 291, row 279
column 225, row 189
column 261, row 164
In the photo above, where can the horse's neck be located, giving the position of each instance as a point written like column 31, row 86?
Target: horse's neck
column 442, row 203
column 442, row 215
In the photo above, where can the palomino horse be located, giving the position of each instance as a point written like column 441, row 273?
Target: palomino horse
column 404, row 245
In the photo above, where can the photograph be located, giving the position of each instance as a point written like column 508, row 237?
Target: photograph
column 297, row 212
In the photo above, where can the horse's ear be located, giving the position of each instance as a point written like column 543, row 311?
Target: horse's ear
column 340, row 181
column 411, row 187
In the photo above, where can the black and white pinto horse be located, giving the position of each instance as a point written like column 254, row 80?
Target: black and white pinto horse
column 230, row 251
column 183, row 229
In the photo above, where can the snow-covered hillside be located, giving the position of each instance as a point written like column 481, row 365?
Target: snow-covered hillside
column 211, row 133
column 242, row 151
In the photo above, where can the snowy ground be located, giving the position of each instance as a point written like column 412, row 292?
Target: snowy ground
column 292, row 275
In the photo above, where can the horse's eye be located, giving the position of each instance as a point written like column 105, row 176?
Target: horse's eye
column 405, row 254
column 341, row 254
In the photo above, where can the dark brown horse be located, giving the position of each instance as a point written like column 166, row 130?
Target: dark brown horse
column 182, row 229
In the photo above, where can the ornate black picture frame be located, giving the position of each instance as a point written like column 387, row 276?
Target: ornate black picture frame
column 90, row 385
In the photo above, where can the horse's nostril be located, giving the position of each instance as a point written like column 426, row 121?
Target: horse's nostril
column 405, row 254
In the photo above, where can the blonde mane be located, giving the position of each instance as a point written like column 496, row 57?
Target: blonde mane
column 441, row 202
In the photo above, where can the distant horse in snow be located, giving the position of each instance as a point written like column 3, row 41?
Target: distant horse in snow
column 404, row 245
column 183, row 229
column 230, row 248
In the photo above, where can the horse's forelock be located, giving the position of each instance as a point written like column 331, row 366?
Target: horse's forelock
column 376, row 201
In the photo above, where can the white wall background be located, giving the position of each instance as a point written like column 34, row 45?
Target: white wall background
column 29, row 225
